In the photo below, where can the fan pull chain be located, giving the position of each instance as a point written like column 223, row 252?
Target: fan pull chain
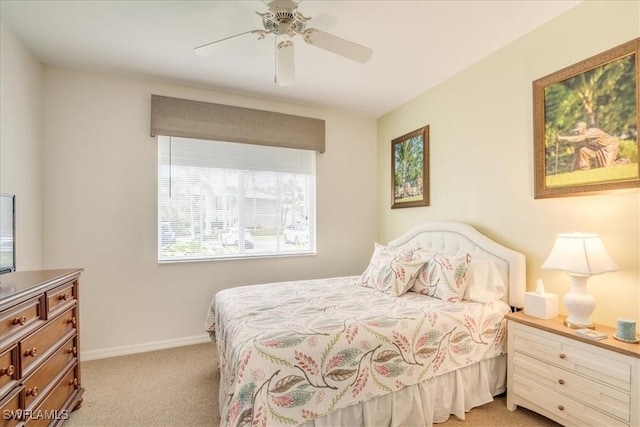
column 275, row 62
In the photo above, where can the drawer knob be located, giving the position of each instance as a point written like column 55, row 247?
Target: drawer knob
column 8, row 371
column 563, row 356
column 561, row 407
column 64, row 297
column 73, row 350
column 33, row 352
column 19, row 321
column 74, row 382
column 72, row 320
column 561, row 381
column 32, row 391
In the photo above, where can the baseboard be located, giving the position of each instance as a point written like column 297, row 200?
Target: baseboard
column 142, row 348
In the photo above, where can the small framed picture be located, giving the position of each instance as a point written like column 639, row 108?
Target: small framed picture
column 586, row 125
column 410, row 169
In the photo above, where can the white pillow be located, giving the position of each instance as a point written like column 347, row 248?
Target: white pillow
column 484, row 282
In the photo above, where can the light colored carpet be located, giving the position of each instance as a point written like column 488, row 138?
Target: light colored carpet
column 178, row 387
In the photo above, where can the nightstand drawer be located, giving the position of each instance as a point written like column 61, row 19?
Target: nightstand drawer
column 570, row 411
column 592, row 393
column 573, row 355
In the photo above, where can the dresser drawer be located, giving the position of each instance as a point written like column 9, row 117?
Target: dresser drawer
column 8, row 369
column 39, row 354
column 21, row 318
column 10, row 412
column 61, row 296
column 564, row 408
column 574, row 356
column 37, row 346
column 593, row 393
column 49, row 410
column 39, row 383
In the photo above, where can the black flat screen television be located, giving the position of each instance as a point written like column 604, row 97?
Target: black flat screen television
column 7, row 233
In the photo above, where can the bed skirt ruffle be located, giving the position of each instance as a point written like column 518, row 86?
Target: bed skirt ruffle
column 432, row 401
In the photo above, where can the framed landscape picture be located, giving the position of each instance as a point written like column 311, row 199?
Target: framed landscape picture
column 410, row 169
column 586, row 120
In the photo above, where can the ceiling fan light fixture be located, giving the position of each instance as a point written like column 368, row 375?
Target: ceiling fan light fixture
column 285, row 22
column 285, row 63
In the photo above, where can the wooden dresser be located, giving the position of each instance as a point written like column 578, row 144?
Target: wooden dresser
column 573, row 380
column 39, row 347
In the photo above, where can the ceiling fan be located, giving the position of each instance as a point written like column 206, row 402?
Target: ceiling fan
column 284, row 21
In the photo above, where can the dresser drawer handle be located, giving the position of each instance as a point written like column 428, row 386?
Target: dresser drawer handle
column 32, row 391
column 561, row 407
column 73, row 350
column 33, row 352
column 74, row 382
column 64, row 297
column 72, row 320
column 19, row 321
column 563, row 356
column 8, row 371
column 561, row 382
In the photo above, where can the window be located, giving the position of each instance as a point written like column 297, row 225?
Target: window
column 219, row 200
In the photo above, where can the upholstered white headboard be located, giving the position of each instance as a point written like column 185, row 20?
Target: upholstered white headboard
column 454, row 237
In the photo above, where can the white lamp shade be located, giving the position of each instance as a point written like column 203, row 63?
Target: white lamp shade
column 580, row 254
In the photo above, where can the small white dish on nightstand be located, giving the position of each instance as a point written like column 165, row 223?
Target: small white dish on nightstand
column 636, row 341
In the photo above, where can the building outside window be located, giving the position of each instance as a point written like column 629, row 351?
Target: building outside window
column 221, row 200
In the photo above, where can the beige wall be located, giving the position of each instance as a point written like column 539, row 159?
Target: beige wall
column 481, row 167
column 100, row 209
column 20, row 144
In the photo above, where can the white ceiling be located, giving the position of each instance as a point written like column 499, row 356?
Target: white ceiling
column 416, row 44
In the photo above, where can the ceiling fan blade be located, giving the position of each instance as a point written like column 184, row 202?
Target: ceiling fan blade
column 285, row 64
column 337, row 45
column 209, row 48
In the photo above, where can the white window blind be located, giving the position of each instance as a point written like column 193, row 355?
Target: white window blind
column 232, row 200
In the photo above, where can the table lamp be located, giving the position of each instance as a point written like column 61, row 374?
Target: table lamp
column 581, row 256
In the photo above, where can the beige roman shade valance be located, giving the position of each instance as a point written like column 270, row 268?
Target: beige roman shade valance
column 204, row 120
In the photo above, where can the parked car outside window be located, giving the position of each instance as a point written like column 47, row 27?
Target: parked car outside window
column 231, row 238
column 298, row 234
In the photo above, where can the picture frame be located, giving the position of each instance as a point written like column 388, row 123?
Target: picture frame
column 585, row 125
column 410, row 169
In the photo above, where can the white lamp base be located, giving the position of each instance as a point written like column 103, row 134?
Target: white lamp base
column 580, row 304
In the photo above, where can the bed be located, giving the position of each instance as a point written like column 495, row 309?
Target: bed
column 419, row 336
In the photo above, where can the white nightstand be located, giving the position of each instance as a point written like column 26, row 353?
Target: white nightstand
column 573, row 380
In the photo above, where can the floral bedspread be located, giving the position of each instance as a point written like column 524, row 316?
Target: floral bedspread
column 293, row 351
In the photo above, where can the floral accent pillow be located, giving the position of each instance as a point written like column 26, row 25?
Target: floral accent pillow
column 391, row 270
column 443, row 277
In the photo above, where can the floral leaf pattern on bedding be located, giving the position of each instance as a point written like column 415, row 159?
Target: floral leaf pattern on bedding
column 443, row 276
column 391, row 270
column 292, row 352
